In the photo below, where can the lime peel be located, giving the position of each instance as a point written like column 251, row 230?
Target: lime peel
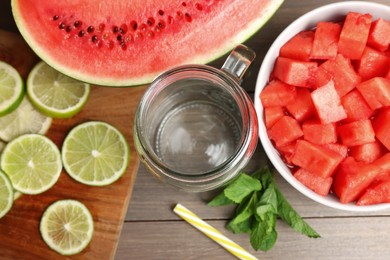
column 6, row 194
column 11, row 88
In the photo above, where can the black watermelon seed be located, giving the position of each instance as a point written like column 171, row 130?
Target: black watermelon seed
column 115, row 29
column 150, row 21
column 161, row 12
column 68, row 28
column 90, row 29
column 77, row 24
column 94, row 38
column 55, row 17
column 81, row 33
column 61, row 26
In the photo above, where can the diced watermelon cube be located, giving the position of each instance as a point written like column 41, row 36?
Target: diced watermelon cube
column 355, row 106
column 375, row 194
column 327, row 104
column 294, row 72
column 321, row 78
column 298, row 47
column 354, row 35
column 367, row 152
column 314, row 182
column 277, row 93
column 302, row 108
column 373, row 63
column 356, row 133
column 272, row 115
column 326, row 37
column 352, row 178
column 381, row 125
column 338, row 148
column 284, row 131
column 379, row 35
column 316, row 158
column 376, row 92
column 287, row 151
column 343, row 73
column 317, row 133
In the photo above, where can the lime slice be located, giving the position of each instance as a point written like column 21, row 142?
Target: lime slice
column 23, row 120
column 95, row 153
column 6, row 194
column 55, row 94
column 11, row 88
column 32, row 162
column 67, row 226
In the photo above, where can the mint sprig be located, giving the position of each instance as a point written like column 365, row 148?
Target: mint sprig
column 259, row 203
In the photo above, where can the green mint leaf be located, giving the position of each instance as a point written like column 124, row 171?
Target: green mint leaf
column 220, row 200
column 241, row 227
column 292, row 218
column 269, row 200
column 242, row 187
column 264, row 235
column 245, row 209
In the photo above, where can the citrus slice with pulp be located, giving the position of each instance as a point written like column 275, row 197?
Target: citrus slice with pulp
column 95, row 153
column 11, row 88
column 6, row 194
column 55, row 94
column 23, row 120
column 67, row 226
column 32, row 162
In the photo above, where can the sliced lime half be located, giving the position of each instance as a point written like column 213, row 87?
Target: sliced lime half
column 6, row 194
column 11, row 88
column 32, row 162
column 95, row 153
column 55, row 94
column 67, row 226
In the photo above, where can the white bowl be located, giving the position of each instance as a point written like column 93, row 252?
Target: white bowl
column 331, row 12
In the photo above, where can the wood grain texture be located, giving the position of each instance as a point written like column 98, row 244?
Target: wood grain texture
column 19, row 229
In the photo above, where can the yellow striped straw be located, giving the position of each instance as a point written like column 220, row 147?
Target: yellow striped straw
column 212, row 233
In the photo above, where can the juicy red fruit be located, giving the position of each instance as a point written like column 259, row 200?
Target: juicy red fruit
column 334, row 133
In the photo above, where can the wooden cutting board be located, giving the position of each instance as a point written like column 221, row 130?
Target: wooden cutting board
column 19, row 229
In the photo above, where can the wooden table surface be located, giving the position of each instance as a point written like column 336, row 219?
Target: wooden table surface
column 152, row 231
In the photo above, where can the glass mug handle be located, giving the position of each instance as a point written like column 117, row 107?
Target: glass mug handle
column 238, row 62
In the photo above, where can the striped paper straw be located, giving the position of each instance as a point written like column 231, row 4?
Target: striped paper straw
column 212, row 233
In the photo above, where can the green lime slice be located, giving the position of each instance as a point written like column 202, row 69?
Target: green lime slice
column 23, row 120
column 55, row 94
column 32, row 162
column 6, row 194
column 67, row 226
column 11, row 88
column 95, row 153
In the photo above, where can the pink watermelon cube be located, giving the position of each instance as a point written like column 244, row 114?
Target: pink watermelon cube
column 367, row 152
column 272, row 115
column 376, row 92
column 356, row 133
column 316, row 158
column 298, row 47
column 381, row 125
column 379, row 35
column 302, row 108
column 354, row 35
column 327, row 104
column 277, row 93
column 286, row 130
column 355, row 106
column 373, row 63
column 295, row 72
column 317, row 133
column 325, row 41
column 314, row 182
column 343, row 74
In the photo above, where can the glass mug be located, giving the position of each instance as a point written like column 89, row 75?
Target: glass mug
column 196, row 127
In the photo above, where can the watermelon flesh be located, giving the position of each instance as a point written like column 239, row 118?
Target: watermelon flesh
column 122, row 43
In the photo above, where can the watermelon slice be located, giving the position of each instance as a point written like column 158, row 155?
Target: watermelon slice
column 122, row 43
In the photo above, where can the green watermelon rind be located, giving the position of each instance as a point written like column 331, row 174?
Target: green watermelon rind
column 253, row 27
